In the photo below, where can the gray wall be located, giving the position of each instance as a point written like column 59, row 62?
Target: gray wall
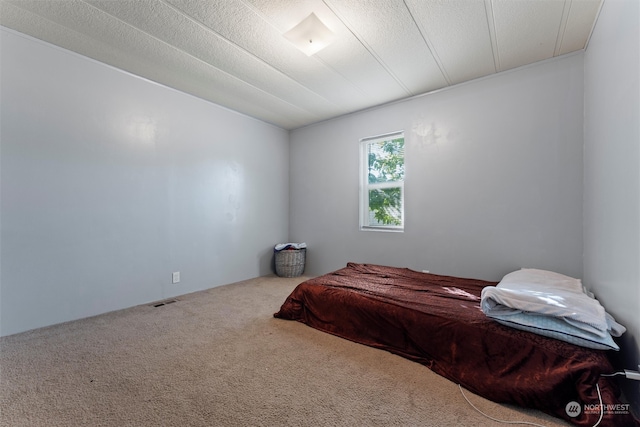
column 110, row 183
column 493, row 178
column 612, row 168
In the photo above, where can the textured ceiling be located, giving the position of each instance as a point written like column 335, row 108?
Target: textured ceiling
column 232, row 52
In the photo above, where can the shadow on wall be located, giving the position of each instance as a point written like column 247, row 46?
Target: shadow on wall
column 266, row 261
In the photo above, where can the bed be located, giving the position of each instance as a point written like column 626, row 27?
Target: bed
column 437, row 321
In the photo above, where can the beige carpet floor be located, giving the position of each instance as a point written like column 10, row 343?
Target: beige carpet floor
column 219, row 358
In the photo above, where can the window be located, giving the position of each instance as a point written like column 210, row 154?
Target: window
column 382, row 182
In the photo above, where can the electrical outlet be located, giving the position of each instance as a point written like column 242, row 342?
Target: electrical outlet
column 175, row 277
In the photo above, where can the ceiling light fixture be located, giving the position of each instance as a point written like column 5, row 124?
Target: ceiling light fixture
column 310, row 35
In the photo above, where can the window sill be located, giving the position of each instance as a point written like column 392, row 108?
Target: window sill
column 383, row 229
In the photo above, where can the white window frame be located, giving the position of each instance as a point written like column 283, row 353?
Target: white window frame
column 365, row 187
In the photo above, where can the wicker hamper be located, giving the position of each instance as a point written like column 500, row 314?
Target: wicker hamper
column 290, row 262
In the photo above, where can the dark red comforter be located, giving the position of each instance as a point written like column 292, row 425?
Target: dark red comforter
column 436, row 321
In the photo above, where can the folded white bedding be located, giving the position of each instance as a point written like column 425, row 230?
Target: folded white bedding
column 283, row 246
column 553, row 305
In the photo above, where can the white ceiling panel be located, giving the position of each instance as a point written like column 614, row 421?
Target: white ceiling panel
column 347, row 56
column 405, row 56
column 458, row 35
column 232, row 52
column 582, row 16
column 526, row 30
column 242, row 24
column 165, row 23
column 351, row 60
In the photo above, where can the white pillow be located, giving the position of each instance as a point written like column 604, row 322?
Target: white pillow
column 528, row 278
column 553, row 305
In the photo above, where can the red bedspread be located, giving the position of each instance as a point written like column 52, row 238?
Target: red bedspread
column 436, row 321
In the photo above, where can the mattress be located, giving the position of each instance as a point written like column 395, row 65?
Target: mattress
column 437, row 321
